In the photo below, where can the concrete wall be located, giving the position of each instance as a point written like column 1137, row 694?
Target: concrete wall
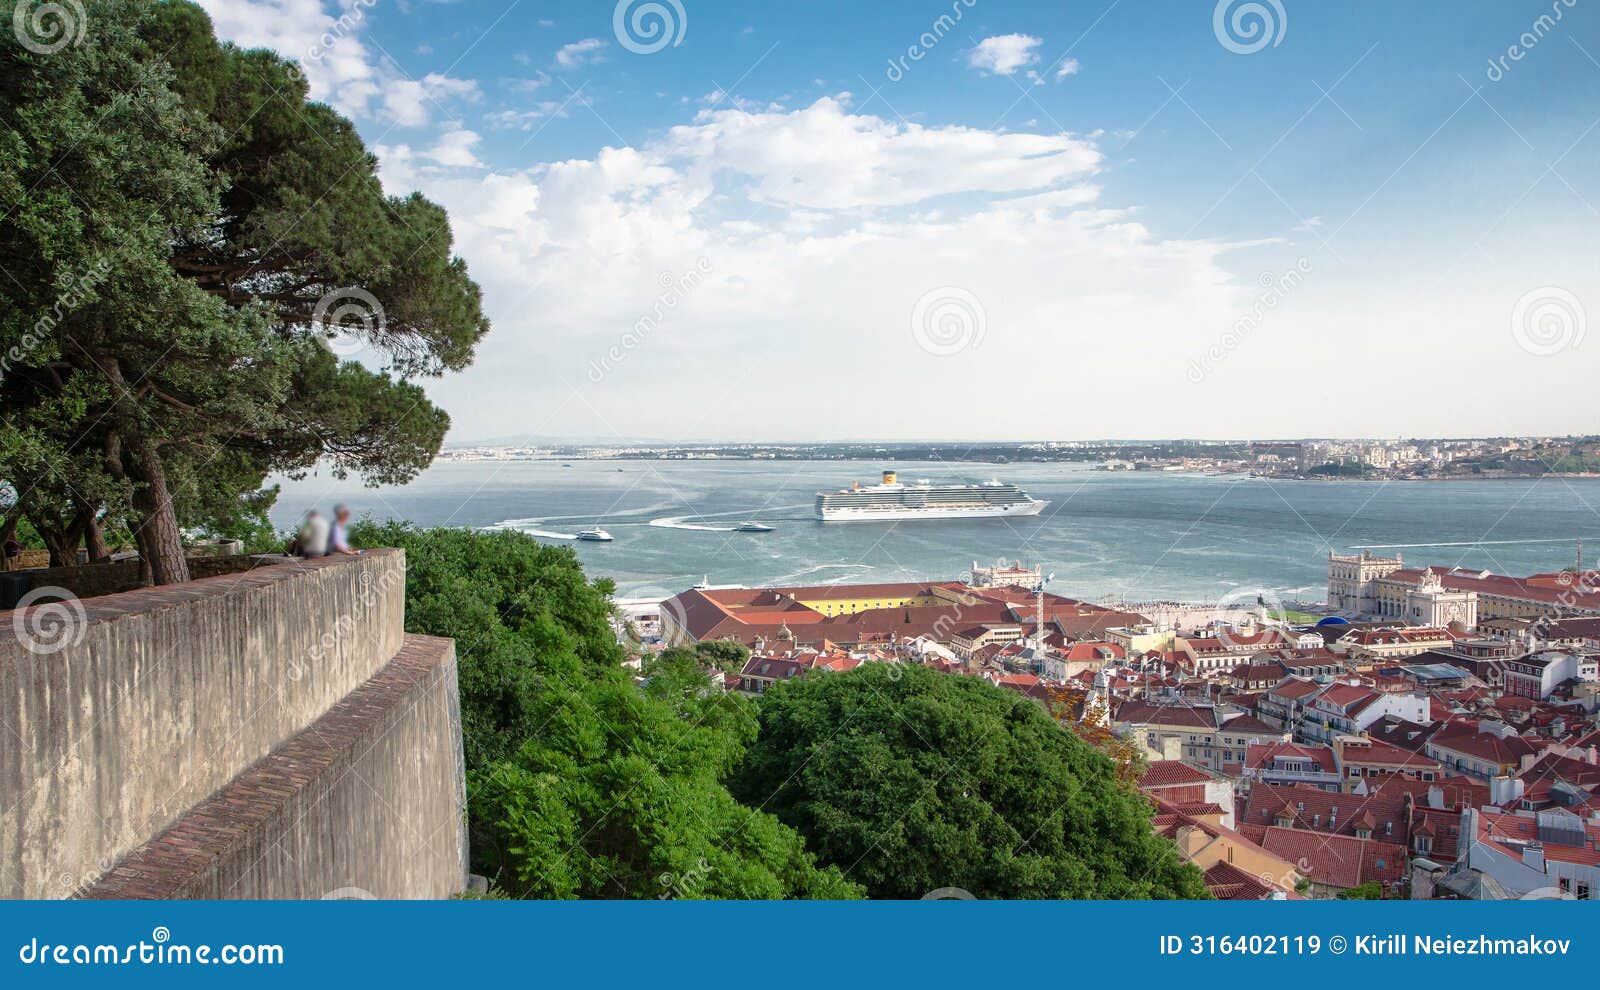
column 159, row 697
column 366, row 802
column 114, row 577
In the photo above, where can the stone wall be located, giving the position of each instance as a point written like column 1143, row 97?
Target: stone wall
column 364, row 803
column 114, row 577
column 159, row 699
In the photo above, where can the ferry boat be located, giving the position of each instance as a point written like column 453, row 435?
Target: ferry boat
column 752, row 527
column 893, row 500
column 596, row 536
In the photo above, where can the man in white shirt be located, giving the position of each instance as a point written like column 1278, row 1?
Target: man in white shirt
column 339, row 538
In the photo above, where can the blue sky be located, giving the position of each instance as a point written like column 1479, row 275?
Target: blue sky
column 1360, row 228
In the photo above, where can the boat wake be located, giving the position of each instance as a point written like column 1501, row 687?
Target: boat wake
column 823, row 567
column 525, row 526
column 677, row 522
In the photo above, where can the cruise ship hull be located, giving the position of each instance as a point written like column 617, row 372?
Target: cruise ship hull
column 895, row 513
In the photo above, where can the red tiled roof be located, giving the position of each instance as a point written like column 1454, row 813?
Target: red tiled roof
column 1339, row 861
column 1229, row 883
column 1262, row 755
column 1313, row 809
column 1467, row 738
column 1149, row 713
column 1173, row 773
column 1375, row 752
column 1249, row 723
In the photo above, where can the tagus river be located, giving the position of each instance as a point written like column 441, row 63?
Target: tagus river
column 1133, row 536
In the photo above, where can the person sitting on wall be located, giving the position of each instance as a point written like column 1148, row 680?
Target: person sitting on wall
column 313, row 538
column 339, row 538
column 13, row 555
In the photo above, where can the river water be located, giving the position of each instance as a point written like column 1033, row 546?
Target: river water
column 1141, row 536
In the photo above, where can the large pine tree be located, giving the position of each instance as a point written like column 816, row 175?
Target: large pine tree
column 184, row 231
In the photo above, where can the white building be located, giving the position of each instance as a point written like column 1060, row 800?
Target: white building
column 1353, row 580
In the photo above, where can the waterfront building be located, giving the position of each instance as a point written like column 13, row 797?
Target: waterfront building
column 1547, row 597
column 1003, row 575
column 1352, row 580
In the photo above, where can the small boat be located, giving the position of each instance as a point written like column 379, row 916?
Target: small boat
column 596, row 536
column 752, row 527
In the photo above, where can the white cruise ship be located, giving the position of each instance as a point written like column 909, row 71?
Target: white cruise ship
column 925, row 500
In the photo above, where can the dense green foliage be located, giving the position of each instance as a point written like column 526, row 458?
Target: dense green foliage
column 184, row 231
column 911, row 781
column 581, row 782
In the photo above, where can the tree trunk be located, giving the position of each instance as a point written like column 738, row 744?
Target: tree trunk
column 160, row 539
column 95, row 539
column 63, row 548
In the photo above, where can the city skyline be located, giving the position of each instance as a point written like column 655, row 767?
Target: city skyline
column 1097, row 220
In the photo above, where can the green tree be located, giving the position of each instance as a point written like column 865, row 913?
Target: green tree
column 581, row 782
column 185, row 233
column 911, row 781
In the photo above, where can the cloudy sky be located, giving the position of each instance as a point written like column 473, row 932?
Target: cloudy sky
column 993, row 220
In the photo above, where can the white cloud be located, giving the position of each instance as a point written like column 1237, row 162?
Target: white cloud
column 1004, row 54
column 338, row 68
column 524, row 120
column 1068, row 68
column 824, row 157
column 410, row 102
column 819, row 229
column 454, row 149
column 580, row 53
